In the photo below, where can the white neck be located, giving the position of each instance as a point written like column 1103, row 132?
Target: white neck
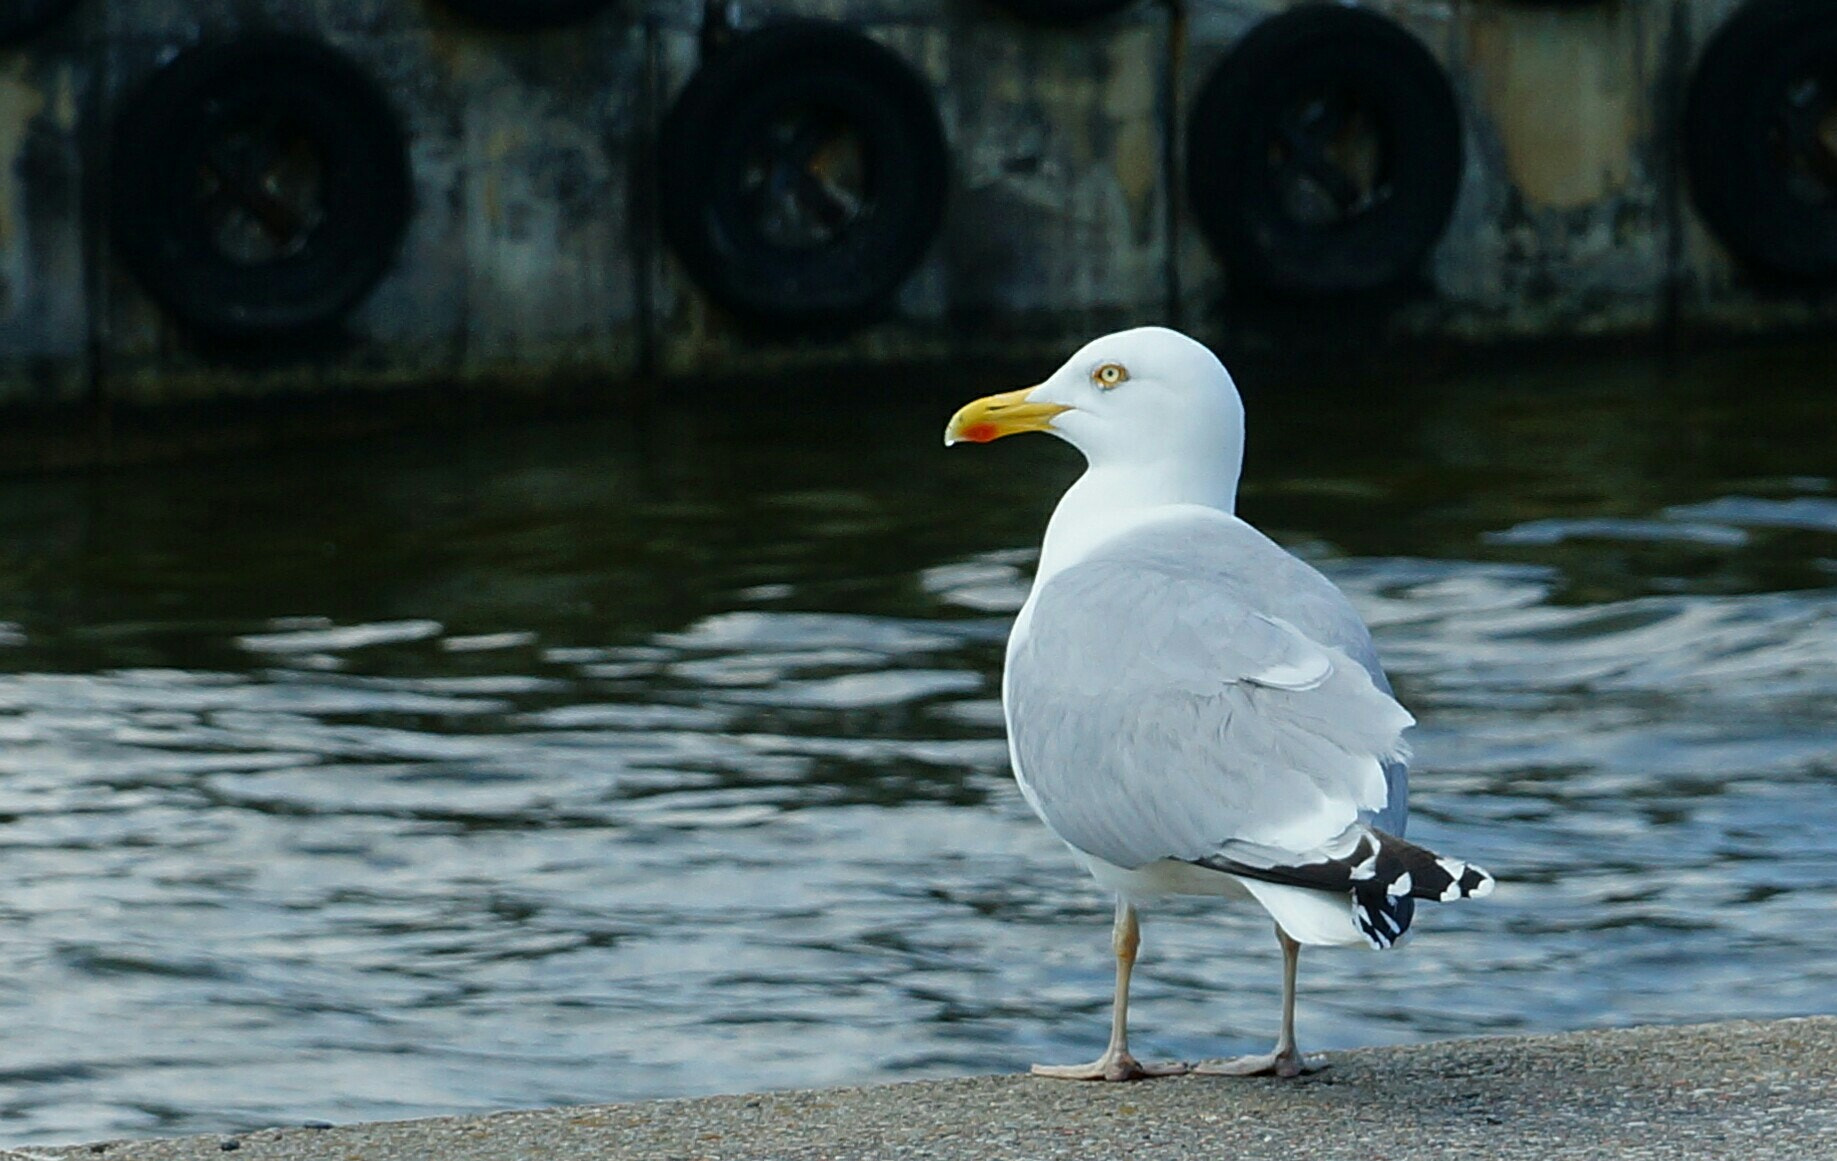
column 1111, row 498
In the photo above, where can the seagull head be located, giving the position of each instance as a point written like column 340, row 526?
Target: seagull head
column 1148, row 398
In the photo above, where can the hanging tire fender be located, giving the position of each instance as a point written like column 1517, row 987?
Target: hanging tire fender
column 258, row 187
column 1760, row 137
column 1323, row 153
column 802, row 175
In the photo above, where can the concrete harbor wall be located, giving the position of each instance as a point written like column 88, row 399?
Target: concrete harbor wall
column 1751, row 1091
column 533, row 254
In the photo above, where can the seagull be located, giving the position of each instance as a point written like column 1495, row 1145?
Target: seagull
column 1189, row 707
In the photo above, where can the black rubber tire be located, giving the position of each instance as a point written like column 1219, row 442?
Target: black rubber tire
column 526, row 14
column 1760, row 137
column 753, row 135
column 22, row 19
column 245, row 119
column 1063, row 12
column 1253, row 163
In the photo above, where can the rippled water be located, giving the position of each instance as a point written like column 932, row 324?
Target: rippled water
column 597, row 762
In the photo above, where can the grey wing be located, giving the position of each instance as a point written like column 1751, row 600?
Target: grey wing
column 1159, row 708
column 1294, row 590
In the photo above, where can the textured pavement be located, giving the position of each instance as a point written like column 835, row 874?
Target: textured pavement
column 1737, row 1090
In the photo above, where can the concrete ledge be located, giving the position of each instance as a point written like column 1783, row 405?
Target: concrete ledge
column 1738, row 1090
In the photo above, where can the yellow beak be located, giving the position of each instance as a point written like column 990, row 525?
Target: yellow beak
column 997, row 415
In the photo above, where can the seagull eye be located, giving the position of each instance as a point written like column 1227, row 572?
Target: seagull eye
column 1109, row 375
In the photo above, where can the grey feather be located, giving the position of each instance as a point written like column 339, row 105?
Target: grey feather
column 1190, row 688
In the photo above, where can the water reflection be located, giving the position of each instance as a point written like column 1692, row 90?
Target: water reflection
column 581, row 763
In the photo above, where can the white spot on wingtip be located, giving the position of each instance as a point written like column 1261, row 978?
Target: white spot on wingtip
column 1484, row 889
column 1454, row 869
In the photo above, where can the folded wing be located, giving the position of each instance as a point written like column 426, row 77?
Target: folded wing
column 1161, row 705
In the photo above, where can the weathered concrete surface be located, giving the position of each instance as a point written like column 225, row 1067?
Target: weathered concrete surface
column 534, row 255
column 1737, row 1090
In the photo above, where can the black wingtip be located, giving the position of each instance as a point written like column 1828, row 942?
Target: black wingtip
column 1381, row 918
column 1402, row 872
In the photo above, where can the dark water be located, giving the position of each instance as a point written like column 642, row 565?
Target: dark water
column 582, row 763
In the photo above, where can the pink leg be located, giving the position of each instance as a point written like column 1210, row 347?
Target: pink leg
column 1116, row 1063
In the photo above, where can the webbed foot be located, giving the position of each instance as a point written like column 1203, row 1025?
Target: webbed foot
column 1111, row 1066
column 1280, row 1064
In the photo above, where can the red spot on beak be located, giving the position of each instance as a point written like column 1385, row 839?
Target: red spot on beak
column 980, row 432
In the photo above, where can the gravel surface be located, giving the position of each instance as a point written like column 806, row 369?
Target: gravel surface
column 1738, row 1090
